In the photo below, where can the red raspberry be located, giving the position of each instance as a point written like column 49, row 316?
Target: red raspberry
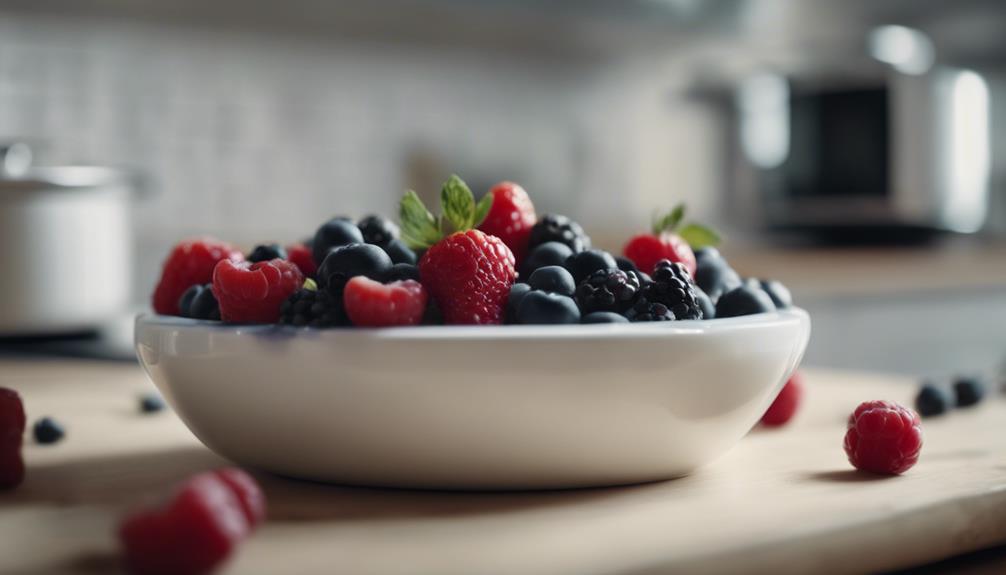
column 193, row 534
column 469, row 274
column 645, row 250
column 785, row 404
column 248, row 492
column 883, row 437
column 253, row 292
column 301, row 255
column 12, row 422
column 372, row 304
column 191, row 262
column 510, row 218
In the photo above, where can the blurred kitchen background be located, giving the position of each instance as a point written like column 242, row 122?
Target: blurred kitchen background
column 855, row 150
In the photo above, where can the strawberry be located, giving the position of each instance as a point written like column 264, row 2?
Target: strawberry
column 510, row 218
column 668, row 242
column 468, row 273
column 191, row 263
column 372, row 304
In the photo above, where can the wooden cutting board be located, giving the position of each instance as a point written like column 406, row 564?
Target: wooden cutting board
column 782, row 501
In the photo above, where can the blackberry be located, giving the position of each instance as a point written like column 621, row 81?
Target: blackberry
column 266, row 252
column 378, row 230
column 625, row 264
column 644, row 310
column 556, row 228
column 672, row 286
column 608, row 290
column 312, row 308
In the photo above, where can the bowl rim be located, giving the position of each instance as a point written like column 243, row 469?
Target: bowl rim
column 485, row 332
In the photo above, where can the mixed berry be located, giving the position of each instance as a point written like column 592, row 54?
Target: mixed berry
column 492, row 261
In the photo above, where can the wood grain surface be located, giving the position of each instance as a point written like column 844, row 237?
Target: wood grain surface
column 782, row 501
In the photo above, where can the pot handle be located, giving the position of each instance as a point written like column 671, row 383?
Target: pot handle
column 15, row 159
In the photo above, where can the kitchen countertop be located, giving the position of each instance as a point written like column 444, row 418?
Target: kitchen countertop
column 782, row 501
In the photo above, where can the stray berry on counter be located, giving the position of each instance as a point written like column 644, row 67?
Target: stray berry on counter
column 266, row 252
column 584, row 263
column 553, row 279
column 47, row 430
column 786, row 403
column 933, row 400
column 883, row 437
column 151, row 402
column 538, row 307
column 968, row 391
column 12, row 423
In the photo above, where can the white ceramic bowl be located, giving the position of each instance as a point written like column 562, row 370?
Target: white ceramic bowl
column 503, row 407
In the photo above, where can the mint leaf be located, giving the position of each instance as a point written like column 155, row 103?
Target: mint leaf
column 419, row 227
column 669, row 222
column 458, row 204
column 699, row 236
column 482, row 209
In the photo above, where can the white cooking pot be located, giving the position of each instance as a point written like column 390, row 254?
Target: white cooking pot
column 65, row 252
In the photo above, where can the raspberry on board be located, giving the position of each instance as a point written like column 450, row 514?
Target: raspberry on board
column 786, row 403
column 883, row 437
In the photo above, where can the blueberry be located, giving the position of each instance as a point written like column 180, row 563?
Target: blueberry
column 400, row 253
column 968, row 391
column 625, row 264
column 352, row 260
column 552, row 279
column 705, row 304
column 547, row 254
column 205, row 305
column 603, row 317
column 266, row 252
column 185, row 302
column 587, row 262
column 932, row 400
column 48, row 430
column 378, row 230
column 706, row 254
column 151, row 403
column 332, row 234
column 538, row 307
column 779, row 293
column 517, row 293
column 401, row 272
column 716, row 278
column 743, row 301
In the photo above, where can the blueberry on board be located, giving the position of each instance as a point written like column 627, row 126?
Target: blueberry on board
column 547, row 254
column 400, row 253
column 538, row 307
column 779, row 293
column 603, row 317
column 517, row 293
column 968, row 391
column 705, row 304
column 378, row 230
column 401, row 272
column 47, row 430
column 266, row 252
column 151, row 403
column 625, row 264
column 552, row 279
column 351, row 260
column 584, row 263
column 743, row 300
column 932, row 400
column 332, row 234
column 716, row 278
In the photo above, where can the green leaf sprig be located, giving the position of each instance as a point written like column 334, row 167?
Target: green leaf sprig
column 697, row 235
column 421, row 229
